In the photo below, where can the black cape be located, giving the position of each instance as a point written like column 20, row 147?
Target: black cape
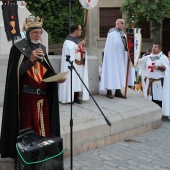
column 10, row 117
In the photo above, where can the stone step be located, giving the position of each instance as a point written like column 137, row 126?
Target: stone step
column 128, row 118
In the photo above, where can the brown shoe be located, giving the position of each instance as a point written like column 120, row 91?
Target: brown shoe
column 109, row 94
column 76, row 98
column 78, row 101
column 119, row 94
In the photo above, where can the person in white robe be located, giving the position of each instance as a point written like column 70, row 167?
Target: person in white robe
column 157, row 70
column 115, row 59
column 166, row 93
column 143, row 75
column 73, row 47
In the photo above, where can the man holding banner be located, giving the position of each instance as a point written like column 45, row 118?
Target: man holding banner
column 74, row 48
column 115, row 62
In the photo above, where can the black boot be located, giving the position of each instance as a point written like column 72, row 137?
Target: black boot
column 76, row 98
column 109, row 94
column 119, row 94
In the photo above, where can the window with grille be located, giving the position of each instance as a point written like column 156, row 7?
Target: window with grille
column 108, row 17
column 145, row 29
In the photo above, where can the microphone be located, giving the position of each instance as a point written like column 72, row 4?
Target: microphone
column 67, row 57
column 39, row 46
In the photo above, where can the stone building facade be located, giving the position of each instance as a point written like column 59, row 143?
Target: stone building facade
column 103, row 16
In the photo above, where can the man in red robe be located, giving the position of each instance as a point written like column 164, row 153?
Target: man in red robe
column 28, row 101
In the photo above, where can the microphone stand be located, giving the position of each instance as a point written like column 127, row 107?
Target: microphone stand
column 71, row 121
column 71, row 67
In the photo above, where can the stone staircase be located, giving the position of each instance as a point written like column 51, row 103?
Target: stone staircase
column 128, row 118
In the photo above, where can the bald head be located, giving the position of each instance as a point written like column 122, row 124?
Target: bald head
column 120, row 23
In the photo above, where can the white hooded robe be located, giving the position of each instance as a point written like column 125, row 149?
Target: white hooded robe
column 71, row 48
column 114, row 66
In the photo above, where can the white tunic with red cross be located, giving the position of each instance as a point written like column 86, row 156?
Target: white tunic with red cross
column 71, row 48
column 152, row 73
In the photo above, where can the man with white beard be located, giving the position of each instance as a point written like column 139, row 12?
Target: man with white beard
column 28, row 101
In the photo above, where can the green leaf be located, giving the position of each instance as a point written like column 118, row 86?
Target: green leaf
column 153, row 11
column 55, row 14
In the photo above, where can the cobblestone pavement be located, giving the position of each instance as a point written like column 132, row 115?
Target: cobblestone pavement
column 149, row 151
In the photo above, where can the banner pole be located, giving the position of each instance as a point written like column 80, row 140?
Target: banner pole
column 69, row 15
column 128, row 63
column 85, row 24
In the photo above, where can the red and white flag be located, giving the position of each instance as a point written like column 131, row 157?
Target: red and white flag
column 137, row 44
column 88, row 4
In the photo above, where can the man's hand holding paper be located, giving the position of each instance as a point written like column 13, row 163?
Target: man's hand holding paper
column 59, row 78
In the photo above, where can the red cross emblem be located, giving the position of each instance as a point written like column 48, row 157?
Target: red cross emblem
column 79, row 49
column 89, row 1
column 150, row 67
column 130, row 45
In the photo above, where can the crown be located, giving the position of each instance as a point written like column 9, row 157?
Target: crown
column 34, row 23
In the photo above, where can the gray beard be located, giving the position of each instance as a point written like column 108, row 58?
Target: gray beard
column 36, row 42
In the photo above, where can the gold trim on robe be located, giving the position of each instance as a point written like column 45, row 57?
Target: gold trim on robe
column 41, row 117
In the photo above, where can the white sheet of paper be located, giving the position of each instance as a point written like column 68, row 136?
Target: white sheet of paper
column 56, row 77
